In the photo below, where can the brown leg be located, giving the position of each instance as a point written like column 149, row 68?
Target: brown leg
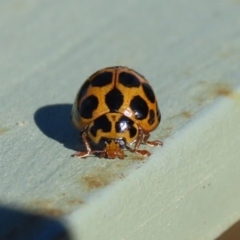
column 87, row 145
column 151, row 143
column 143, row 137
column 137, row 144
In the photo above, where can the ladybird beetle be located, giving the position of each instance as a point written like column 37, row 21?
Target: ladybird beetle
column 114, row 108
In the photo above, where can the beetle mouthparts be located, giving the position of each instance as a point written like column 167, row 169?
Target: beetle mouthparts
column 112, row 150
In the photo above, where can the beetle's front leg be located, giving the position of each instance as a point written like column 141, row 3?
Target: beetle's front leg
column 87, row 145
column 151, row 143
column 137, row 144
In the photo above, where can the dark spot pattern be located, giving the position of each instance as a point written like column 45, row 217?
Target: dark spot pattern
column 151, row 118
column 132, row 131
column 102, row 79
column 88, row 105
column 148, row 92
column 102, row 123
column 114, row 100
column 123, row 124
column 128, row 80
column 83, row 90
column 140, row 107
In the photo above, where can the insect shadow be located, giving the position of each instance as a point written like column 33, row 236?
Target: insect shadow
column 55, row 122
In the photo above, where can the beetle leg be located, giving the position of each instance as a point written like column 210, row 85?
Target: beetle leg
column 87, row 145
column 137, row 144
column 151, row 143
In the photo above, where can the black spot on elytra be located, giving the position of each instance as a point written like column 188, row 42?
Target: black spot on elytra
column 128, row 80
column 140, row 107
column 114, row 100
column 151, row 118
column 102, row 79
column 88, row 105
column 132, row 131
column 123, row 124
column 83, row 90
column 148, row 92
column 101, row 123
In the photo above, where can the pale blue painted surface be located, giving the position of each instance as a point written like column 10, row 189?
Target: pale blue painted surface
column 189, row 51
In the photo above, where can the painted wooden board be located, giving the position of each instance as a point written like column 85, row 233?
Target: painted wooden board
column 188, row 50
